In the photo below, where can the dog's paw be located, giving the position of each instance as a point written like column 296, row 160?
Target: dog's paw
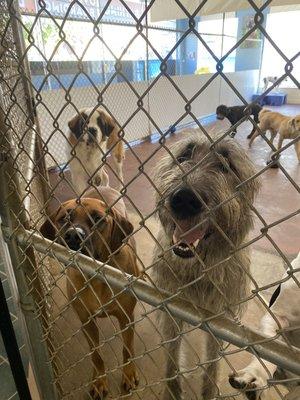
column 100, row 389
column 247, row 382
column 130, row 378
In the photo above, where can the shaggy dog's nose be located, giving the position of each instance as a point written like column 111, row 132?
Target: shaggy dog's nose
column 74, row 237
column 184, row 203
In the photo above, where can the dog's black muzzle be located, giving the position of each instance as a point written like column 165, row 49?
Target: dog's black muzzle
column 74, row 237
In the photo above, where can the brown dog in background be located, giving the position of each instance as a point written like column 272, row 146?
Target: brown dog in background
column 94, row 133
column 287, row 127
column 97, row 230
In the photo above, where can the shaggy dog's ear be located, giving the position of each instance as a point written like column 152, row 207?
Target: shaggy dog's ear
column 105, row 123
column 76, row 124
column 121, row 229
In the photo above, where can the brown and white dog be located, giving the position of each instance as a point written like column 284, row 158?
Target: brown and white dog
column 287, row 127
column 98, row 231
column 93, row 134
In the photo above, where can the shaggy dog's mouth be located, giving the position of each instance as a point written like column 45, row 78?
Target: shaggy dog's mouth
column 221, row 117
column 187, row 237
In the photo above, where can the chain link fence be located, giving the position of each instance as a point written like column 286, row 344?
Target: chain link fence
column 161, row 301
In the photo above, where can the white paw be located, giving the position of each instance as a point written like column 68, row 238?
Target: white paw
column 249, row 381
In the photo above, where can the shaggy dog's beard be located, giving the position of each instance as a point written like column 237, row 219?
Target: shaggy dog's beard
column 194, row 236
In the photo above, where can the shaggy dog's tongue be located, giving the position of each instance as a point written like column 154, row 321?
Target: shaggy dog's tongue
column 193, row 235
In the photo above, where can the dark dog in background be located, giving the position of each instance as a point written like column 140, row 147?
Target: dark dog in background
column 236, row 113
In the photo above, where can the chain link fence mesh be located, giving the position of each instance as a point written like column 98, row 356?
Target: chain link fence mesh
column 73, row 306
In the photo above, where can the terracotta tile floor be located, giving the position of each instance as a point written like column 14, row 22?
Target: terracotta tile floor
column 277, row 199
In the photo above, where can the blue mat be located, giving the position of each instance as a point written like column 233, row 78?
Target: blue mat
column 271, row 99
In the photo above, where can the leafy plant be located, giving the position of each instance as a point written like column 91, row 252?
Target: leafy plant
column 48, row 30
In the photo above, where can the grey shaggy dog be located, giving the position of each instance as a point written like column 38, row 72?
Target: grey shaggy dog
column 205, row 214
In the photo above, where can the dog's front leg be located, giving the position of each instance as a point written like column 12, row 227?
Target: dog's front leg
column 130, row 378
column 255, row 134
column 171, row 330
column 209, row 388
column 251, row 133
column 118, row 158
column 119, row 168
column 100, row 384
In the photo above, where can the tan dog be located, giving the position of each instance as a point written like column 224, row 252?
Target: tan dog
column 94, row 230
column 92, row 134
column 287, row 127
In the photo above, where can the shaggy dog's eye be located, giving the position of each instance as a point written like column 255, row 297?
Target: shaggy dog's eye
column 186, row 154
column 224, row 164
column 224, row 167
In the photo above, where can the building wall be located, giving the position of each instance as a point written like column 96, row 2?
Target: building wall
column 165, row 105
column 248, row 58
column 187, row 50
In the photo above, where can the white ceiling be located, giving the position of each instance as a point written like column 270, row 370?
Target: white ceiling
column 164, row 10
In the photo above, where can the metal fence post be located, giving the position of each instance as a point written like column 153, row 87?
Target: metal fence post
column 11, row 348
column 24, row 267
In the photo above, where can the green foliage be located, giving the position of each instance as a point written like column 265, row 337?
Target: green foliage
column 26, row 29
column 48, row 29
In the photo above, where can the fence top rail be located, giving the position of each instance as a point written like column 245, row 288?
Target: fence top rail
column 272, row 350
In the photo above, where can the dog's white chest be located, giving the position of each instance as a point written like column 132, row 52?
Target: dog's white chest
column 87, row 158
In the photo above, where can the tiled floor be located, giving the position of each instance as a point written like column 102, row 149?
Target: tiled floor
column 278, row 197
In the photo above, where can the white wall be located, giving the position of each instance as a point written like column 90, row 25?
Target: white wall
column 164, row 104
column 167, row 105
column 244, row 81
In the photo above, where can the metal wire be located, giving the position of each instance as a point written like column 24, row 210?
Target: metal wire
column 35, row 110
